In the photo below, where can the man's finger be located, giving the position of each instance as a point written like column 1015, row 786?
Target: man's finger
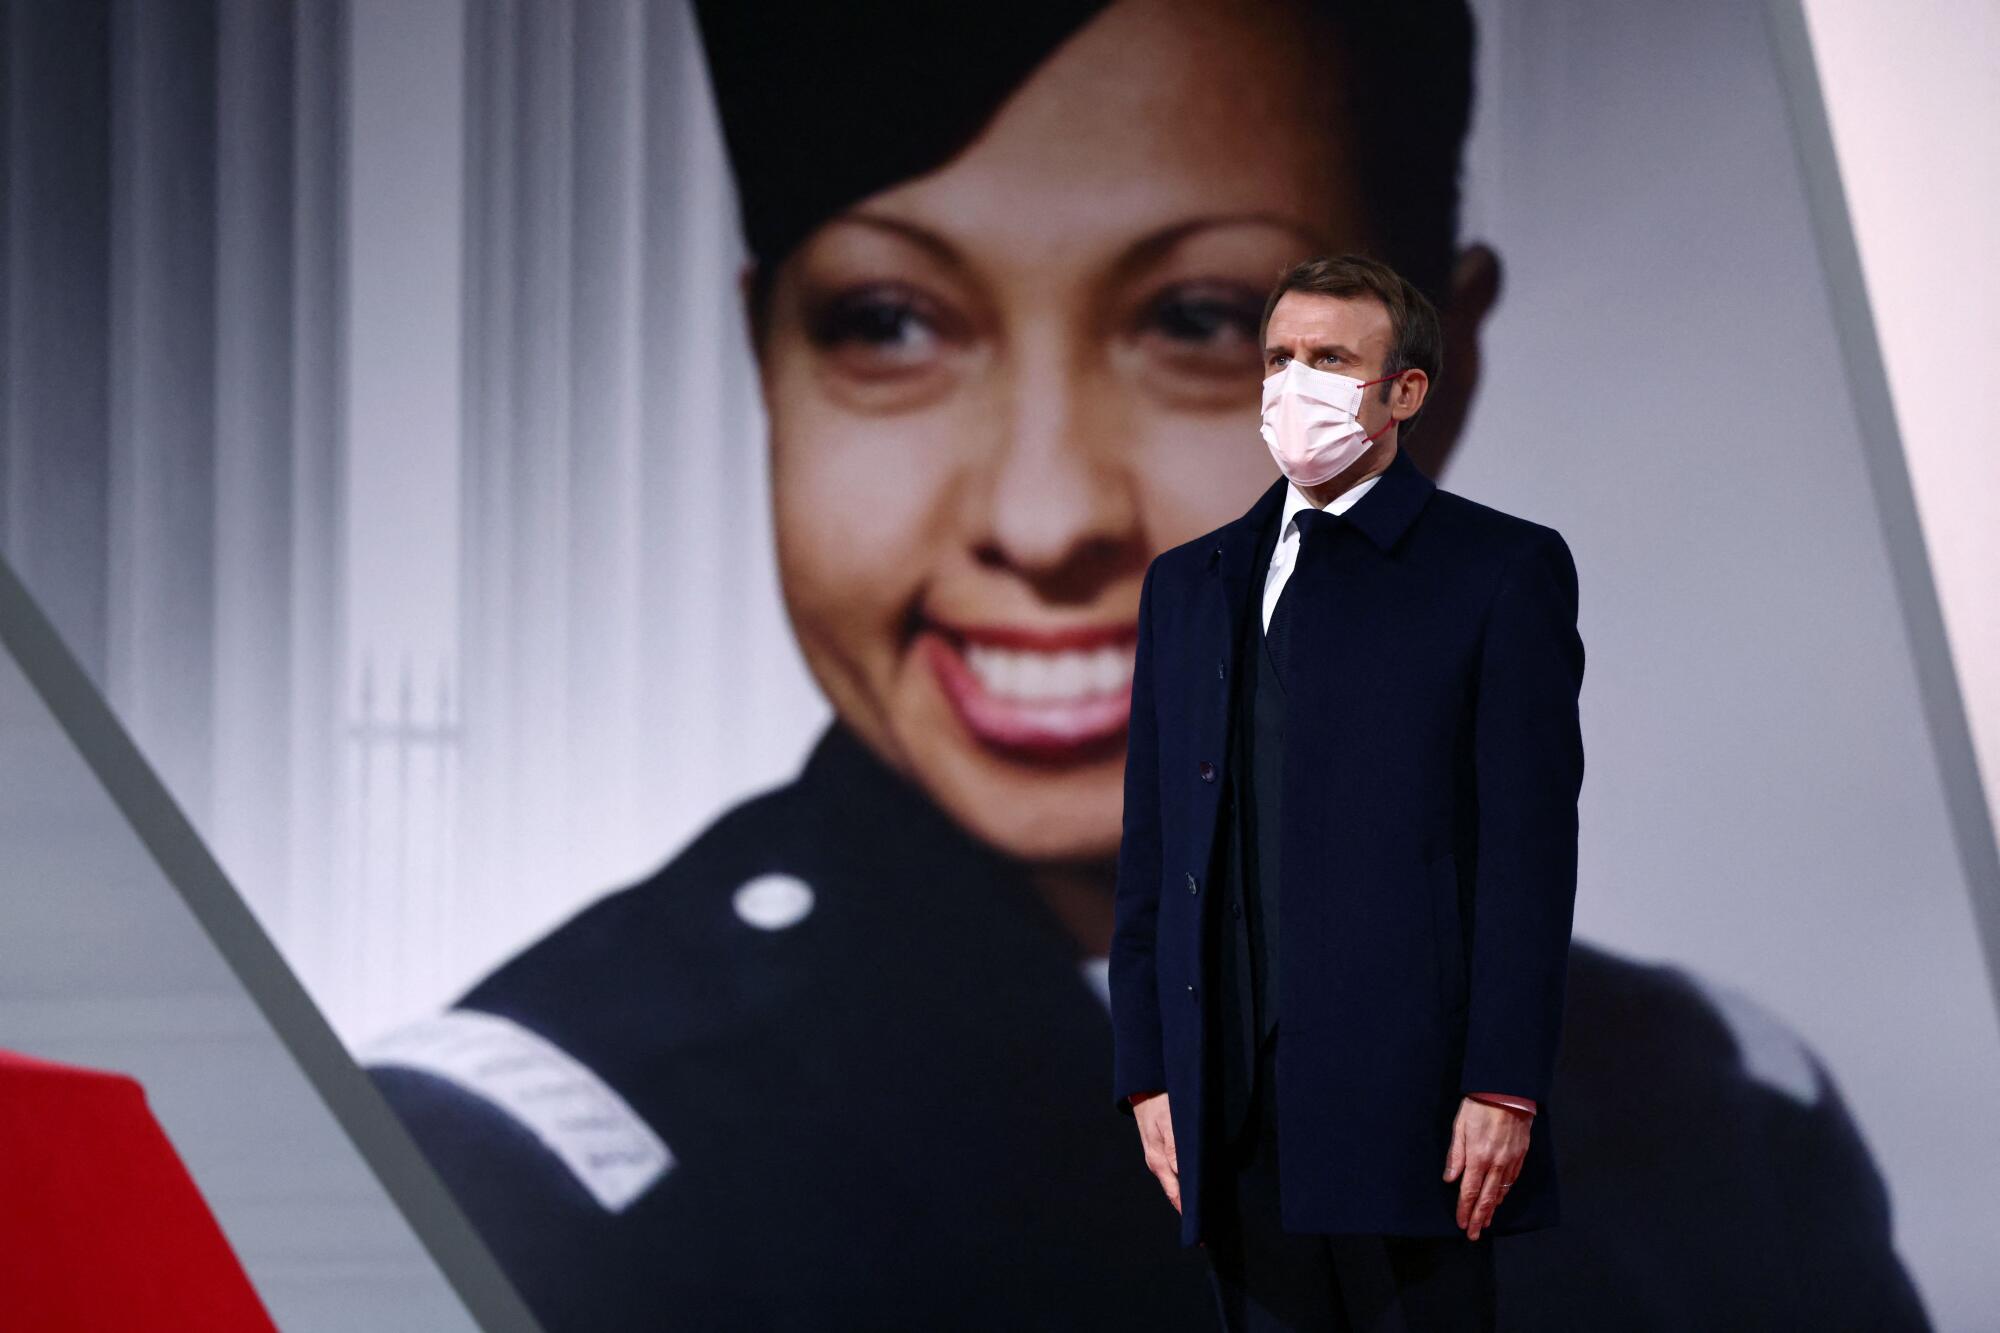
column 1455, row 1159
column 1469, row 1187
column 1489, row 1199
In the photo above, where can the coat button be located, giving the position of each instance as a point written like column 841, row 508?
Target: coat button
column 1218, row 670
column 1193, row 886
column 1207, row 771
column 1190, row 990
column 1235, row 908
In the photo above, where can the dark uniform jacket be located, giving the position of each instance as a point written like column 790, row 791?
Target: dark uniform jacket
column 873, row 1062
column 836, row 1067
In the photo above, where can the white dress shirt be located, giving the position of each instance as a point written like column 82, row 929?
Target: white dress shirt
column 1287, row 553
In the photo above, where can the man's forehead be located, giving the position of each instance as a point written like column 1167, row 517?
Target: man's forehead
column 1316, row 318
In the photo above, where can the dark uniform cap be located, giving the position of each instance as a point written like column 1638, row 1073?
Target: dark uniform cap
column 825, row 104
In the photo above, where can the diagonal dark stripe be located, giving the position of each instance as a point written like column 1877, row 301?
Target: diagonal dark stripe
column 171, row 841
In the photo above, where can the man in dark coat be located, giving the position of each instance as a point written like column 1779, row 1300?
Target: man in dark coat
column 1404, row 755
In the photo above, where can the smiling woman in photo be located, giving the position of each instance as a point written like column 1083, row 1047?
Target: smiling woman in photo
column 845, row 1060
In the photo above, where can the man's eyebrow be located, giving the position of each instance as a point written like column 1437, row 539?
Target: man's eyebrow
column 1322, row 349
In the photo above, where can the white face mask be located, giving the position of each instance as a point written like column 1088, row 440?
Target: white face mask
column 1312, row 421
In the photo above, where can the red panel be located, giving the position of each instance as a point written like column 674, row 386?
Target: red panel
column 101, row 1227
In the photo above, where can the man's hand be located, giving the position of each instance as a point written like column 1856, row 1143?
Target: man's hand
column 1156, row 1135
column 1488, row 1144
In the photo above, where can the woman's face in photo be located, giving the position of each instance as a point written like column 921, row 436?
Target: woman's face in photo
column 996, row 392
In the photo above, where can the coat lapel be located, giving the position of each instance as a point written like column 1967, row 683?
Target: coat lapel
column 1233, row 589
column 1392, row 504
column 1231, row 567
column 1383, row 515
column 1224, row 600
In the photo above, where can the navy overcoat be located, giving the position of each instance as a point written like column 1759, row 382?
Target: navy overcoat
column 1427, row 875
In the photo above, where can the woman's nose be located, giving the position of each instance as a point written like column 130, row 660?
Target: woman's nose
column 1061, row 499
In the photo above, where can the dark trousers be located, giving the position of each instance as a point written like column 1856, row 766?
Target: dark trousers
column 1267, row 1279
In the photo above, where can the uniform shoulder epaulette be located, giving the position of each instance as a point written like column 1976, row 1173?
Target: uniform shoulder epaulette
column 612, row 1152
column 1772, row 1053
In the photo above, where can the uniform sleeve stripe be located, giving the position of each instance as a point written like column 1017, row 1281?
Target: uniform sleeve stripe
column 611, row 1151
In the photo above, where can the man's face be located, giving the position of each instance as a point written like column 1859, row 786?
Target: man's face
column 1348, row 336
column 996, row 392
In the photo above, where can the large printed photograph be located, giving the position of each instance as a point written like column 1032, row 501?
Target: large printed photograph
column 622, row 523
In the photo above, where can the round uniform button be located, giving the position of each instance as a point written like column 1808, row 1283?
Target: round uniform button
column 1207, row 771
column 772, row 901
column 1236, row 909
column 1193, row 887
column 1218, row 670
column 1190, row 990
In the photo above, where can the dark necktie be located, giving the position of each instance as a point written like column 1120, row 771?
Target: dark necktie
column 1315, row 527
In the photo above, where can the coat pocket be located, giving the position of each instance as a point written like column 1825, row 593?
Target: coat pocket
column 1448, row 931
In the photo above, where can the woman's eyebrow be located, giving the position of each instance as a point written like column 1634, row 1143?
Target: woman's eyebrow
column 1141, row 252
column 1167, row 237
column 1155, row 245
column 920, row 236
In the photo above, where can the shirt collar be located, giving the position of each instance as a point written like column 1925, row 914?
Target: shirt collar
column 1295, row 500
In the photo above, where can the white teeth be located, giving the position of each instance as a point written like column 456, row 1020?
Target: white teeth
column 1110, row 671
column 1034, row 676
column 1069, row 675
column 1016, row 673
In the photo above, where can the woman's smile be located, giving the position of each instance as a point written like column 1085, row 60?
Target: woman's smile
column 1044, row 693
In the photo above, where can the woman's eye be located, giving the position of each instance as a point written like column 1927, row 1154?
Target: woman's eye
column 1216, row 323
column 886, row 323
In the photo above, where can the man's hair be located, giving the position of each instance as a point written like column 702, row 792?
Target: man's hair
column 1415, row 340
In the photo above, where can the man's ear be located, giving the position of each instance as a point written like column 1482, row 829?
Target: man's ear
column 1409, row 393
column 1475, row 289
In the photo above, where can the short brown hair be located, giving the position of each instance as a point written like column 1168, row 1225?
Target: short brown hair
column 1415, row 340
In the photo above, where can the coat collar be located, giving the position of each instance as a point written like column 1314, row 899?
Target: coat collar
column 1383, row 515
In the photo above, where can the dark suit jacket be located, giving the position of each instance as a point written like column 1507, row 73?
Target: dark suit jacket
column 1428, row 854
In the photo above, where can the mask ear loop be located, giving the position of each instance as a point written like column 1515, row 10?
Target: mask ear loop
column 1370, row 439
